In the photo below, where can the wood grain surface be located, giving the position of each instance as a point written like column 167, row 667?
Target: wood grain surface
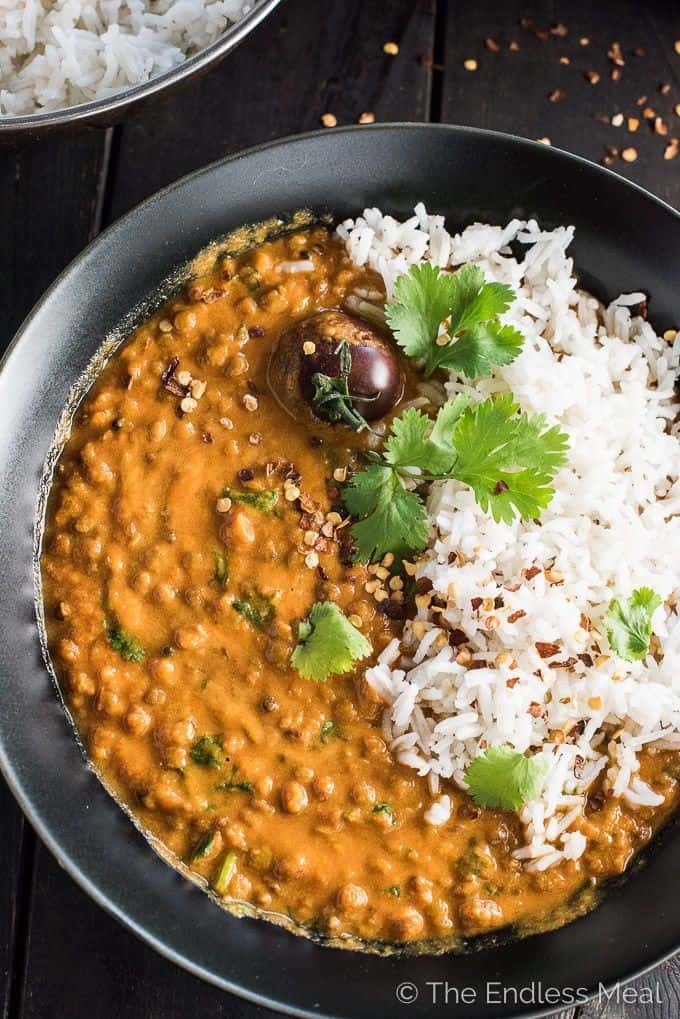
column 62, row 957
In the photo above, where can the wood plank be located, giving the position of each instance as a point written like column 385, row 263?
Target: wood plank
column 655, row 996
column 509, row 90
column 48, row 211
column 305, row 60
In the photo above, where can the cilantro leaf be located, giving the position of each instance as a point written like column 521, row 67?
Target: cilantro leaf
column 388, row 517
column 257, row 609
column 263, row 499
column 503, row 779
column 126, row 644
column 629, row 623
column 424, row 298
column 444, row 426
column 480, row 348
column 508, row 459
column 406, row 446
column 207, row 751
column 329, row 644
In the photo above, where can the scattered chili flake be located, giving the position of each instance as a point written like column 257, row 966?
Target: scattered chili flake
column 617, row 120
column 671, row 150
column 676, row 45
column 592, row 76
column 586, row 659
column 676, row 109
column 476, row 602
column 584, row 41
column 616, row 73
column 329, row 120
column 615, row 55
column 457, row 637
column 664, row 88
column 515, row 616
column 641, row 100
column 491, row 44
column 649, row 113
column 499, row 487
column 629, row 155
column 546, row 650
column 660, row 126
column 639, row 51
column 559, row 30
column 367, row 118
column 544, row 141
column 565, row 60
column 513, row 46
column 633, row 124
column 206, row 437
column 556, row 95
column 391, row 49
column 256, row 331
column 536, row 710
column 513, row 681
column 470, row 65
column 531, row 572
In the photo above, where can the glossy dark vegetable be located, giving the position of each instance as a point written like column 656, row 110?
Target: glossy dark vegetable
column 317, row 349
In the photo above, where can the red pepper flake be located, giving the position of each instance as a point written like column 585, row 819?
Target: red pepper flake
column 536, row 710
column 206, row 437
column 559, row 30
column 557, row 95
column 532, row 572
column 671, row 150
column 515, row 616
column 641, row 100
column 586, row 659
column 649, row 113
column 579, row 764
column 491, row 44
column 615, row 55
column 513, row 46
column 639, row 51
column 457, row 637
column 660, row 126
column 476, row 602
column 424, row 585
column 500, row 487
column 664, row 88
column 592, row 76
column 512, row 682
column 546, row 650
column 616, row 74
column 256, row 331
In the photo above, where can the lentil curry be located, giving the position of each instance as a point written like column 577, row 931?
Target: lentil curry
column 195, row 518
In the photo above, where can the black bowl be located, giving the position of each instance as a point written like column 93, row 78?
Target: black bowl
column 625, row 240
column 105, row 112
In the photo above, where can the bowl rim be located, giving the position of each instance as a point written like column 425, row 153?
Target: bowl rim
column 648, row 961
column 95, row 108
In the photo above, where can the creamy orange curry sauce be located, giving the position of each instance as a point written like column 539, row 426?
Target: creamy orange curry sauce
column 192, row 524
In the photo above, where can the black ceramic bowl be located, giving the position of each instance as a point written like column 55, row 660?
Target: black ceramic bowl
column 625, row 240
column 104, row 112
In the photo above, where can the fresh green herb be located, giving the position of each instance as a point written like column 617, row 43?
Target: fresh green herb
column 508, row 459
column 258, row 609
column 230, row 784
column 332, row 399
column 328, row 644
column 629, row 623
column 204, row 846
column 385, row 808
column 474, row 340
column 222, row 568
column 504, row 779
column 394, row 890
column 207, row 751
column 225, row 873
column 264, row 499
column 250, row 276
column 328, row 730
column 126, row 644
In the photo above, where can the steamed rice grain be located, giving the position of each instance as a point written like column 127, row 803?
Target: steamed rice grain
column 59, row 53
column 531, row 598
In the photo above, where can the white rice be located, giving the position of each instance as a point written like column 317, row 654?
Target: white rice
column 613, row 525
column 58, row 53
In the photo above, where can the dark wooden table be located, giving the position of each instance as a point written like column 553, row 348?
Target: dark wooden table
column 61, row 957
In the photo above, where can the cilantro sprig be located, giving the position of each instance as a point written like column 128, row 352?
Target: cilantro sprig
column 508, row 458
column 503, row 779
column 474, row 340
column 329, row 644
column 628, row 623
column 128, row 646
